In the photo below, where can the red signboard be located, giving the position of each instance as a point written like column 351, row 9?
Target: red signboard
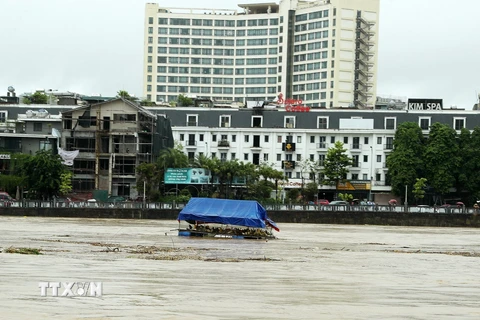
column 292, row 105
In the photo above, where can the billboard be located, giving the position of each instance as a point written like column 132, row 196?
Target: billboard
column 187, row 176
column 425, row 104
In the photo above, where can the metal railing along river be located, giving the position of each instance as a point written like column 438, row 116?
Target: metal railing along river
column 277, row 207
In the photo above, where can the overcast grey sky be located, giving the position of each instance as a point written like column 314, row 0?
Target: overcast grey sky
column 428, row 48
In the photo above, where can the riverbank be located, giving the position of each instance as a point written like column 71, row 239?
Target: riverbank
column 280, row 216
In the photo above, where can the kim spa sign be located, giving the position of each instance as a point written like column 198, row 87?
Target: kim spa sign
column 425, row 104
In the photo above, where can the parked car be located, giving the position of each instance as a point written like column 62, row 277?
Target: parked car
column 322, row 202
column 115, row 199
column 338, row 203
column 5, row 199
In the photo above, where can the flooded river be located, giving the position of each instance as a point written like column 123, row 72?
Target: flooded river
column 310, row 272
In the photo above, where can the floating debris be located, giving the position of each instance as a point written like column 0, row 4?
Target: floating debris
column 451, row 253
column 23, row 250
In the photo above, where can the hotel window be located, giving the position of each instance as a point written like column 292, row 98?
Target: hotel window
column 389, row 144
column 234, row 155
column 379, row 140
column 379, row 158
column 332, row 139
column 257, row 121
column 267, row 139
column 321, row 160
column 424, row 123
column 192, row 120
column 234, row 138
column 322, row 122
column 214, row 137
column 458, row 123
column 290, row 122
column 225, row 121
column 390, row 123
column 265, row 157
column 322, row 144
column 279, row 139
column 279, row 157
column 245, row 156
column 355, row 159
column 246, row 138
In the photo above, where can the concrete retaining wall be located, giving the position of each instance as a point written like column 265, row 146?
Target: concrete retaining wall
column 323, row 217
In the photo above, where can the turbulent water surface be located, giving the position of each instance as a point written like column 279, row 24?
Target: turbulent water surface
column 310, row 272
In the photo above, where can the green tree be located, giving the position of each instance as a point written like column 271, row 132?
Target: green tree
column 65, row 182
column 405, row 163
column 267, row 171
column 147, row 103
column 202, row 161
column 149, row 176
column 173, row 158
column 336, row 163
column 125, row 95
column 36, row 98
column 345, row 197
column 419, row 189
column 43, row 174
column 469, row 149
column 441, row 158
column 184, row 101
column 310, row 191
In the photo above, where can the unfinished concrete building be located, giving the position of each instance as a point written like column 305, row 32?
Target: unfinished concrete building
column 113, row 138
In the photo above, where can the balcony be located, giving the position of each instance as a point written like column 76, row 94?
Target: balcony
column 356, row 147
column 322, row 145
column 223, row 144
column 190, row 144
column 288, row 164
column 256, row 147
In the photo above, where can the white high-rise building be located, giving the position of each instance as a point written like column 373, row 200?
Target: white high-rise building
column 321, row 52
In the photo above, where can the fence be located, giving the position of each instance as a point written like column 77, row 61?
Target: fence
column 268, row 207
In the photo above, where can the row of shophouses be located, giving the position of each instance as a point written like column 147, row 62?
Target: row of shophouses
column 114, row 136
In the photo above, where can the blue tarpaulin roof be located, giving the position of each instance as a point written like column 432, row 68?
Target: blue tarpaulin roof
column 234, row 212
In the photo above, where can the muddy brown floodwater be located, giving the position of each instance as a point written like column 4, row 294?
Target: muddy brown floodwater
column 310, row 272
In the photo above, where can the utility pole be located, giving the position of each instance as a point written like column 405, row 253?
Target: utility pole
column 406, row 198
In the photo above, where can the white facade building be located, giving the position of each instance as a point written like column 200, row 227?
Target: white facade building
column 321, row 52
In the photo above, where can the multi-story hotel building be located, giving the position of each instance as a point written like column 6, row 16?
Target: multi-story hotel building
column 322, row 52
column 288, row 140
